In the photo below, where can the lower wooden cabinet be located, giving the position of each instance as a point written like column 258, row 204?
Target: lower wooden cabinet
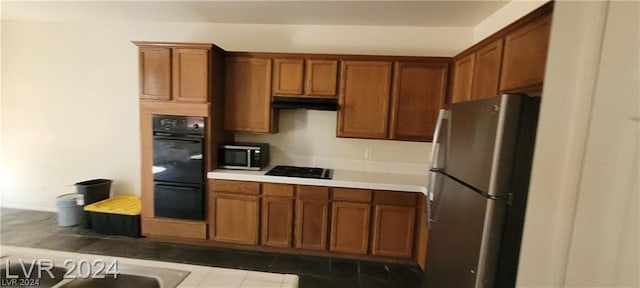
column 311, row 224
column 234, row 218
column 277, row 221
column 393, row 231
column 350, row 227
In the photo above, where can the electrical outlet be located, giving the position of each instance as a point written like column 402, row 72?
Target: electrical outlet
column 368, row 153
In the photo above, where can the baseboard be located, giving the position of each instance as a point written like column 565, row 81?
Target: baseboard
column 28, row 207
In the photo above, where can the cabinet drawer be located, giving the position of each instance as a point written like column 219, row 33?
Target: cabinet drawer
column 352, row 195
column 234, row 186
column 283, row 190
column 395, row 198
column 313, row 192
column 174, row 228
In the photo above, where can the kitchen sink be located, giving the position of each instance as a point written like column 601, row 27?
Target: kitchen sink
column 45, row 280
column 122, row 281
column 129, row 276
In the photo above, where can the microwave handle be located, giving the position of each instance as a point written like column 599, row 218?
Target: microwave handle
column 248, row 157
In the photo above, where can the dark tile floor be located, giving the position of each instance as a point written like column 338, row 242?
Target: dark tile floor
column 40, row 230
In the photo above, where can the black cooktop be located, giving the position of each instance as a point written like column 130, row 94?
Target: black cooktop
column 303, row 172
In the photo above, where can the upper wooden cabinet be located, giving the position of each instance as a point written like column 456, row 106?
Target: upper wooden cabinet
column 318, row 79
column 525, row 54
column 419, row 91
column 175, row 71
column 288, row 76
column 155, row 73
column 248, row 96
column 463, row 78
column 364, row 99
column 486, row 74
column 191, row 74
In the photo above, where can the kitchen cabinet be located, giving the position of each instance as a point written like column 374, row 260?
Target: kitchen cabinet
column 364, row 99
column 419, row 91
column 311, row 220
column 525, row 54
column 191, row 74
column 394, row 223
column 277, row 215
column 288, row 76
column 248, row 96
column 306, row 78
column 174, row 72
column 155, row 73
column 234, row 211
column 320, row 78
column 351, row 211
column 486, row 74
column 463, row 78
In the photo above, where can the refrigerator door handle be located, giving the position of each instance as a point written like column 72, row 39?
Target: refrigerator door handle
column 442, row 115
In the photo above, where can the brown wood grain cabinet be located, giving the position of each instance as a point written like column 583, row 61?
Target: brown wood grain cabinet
column 525, row 54
column 234, row 218
column 311, row 217
column 248, row 96
column 419, row 91
column 277, row 215
column 320, row 78
column 463, row 78
column 486, row 74
column 288, row 76
column 175, row 71
column 155, row 73
column 364, row 99
column 393, row 230
column 191, row 74
column 350, row 220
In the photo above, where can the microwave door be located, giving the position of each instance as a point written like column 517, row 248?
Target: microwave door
column 236, row 159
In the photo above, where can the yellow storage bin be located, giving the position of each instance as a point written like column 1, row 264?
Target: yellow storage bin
column 119, row 215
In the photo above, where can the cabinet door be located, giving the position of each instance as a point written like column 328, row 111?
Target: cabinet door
column 191, row 74
column 320, row 78
column 234, row 219
column 419, row 91
column 277, row 221
column 248, row 95
column 350, row 227
column 311, row 224
column 486, row 74
column 364, row 99
column 463, row 78
column 155, row 73
column 525, row 54
column 287, row 76
column 393, row 231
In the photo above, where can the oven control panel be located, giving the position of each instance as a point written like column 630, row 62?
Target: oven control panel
column 178, row 124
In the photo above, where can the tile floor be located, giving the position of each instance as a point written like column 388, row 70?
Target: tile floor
column 39, row 229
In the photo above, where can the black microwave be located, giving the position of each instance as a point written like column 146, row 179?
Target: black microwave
column 244, row 156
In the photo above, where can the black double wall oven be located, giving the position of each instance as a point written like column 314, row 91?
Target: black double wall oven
column 178, row 169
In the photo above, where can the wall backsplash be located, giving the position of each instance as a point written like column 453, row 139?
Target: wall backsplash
column 308, row 137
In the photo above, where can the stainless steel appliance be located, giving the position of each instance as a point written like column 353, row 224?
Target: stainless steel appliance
column 178, row 170
column 244, row 156
column 478, row 186
column 302, row 172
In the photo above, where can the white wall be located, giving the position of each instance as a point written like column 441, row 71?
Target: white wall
column 69, row 93
column 504, row 16
column 581, row 223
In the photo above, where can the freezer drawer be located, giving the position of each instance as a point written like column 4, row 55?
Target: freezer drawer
column 464, row 237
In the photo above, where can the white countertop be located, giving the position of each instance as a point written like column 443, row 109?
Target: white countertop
column 341, row 178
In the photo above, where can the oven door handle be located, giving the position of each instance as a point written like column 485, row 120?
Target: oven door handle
column 178, row 187
column 173, row 140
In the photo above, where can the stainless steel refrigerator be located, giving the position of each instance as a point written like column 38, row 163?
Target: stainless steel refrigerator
column 478, row 184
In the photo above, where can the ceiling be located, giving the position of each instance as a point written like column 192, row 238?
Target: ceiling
column 379, row 13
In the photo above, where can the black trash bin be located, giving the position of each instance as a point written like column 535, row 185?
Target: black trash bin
column 93, row 190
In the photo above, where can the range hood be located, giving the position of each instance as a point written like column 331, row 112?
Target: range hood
column 293, row 102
